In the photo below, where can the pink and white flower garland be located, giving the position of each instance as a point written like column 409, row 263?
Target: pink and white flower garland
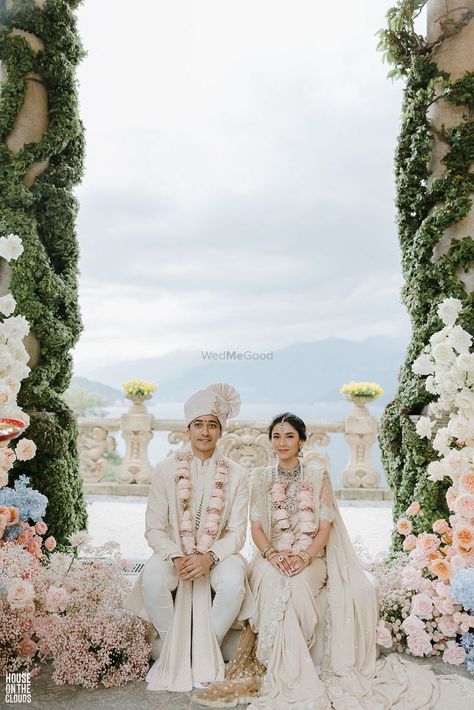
column 214, row 508
column 305, row 504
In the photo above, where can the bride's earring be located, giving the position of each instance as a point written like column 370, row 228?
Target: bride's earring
column 300, row 452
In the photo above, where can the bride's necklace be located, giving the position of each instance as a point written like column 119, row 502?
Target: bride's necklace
column 300, row 499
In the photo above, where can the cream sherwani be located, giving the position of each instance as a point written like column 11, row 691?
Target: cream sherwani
column 186, row 657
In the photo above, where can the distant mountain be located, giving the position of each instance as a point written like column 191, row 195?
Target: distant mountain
column 110, row 393
column 303, row 372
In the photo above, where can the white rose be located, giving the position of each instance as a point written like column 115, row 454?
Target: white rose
column 455, row 463
column 424, row 427
column 443, row 354
column 440, row 335
column 465, row 401
column 459, row 427
column 423, row 365
column 18, row 350
column 18, row 371
column 442, row 440
column 430, row 385
column 15, row 327
column 11, row 247
column 436, row 471
column 6, row 394
column 465, row 361
column 7, row 304
column 460, row 339
column 449, row 310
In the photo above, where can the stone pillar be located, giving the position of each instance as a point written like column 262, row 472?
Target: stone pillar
column 360, row 434
column 454, row 55
column 136, row 428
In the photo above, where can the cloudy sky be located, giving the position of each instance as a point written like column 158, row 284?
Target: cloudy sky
column 239, row 181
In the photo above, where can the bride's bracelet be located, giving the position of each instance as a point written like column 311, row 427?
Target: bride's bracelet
column 306, row 557
column 268, row 551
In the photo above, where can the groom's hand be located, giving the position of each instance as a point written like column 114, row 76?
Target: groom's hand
column 195, row 566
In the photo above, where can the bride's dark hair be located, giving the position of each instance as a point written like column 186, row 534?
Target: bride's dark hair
column 293, row 420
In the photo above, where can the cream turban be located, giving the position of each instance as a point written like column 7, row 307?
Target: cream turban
column 223, row 401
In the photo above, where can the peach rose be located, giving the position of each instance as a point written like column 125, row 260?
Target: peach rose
column 422, row 606
column 34, row 548
column 7, row 458
column 464, row 536
column 467, row 481
column 454, row 654
column 56, row 599
column 13, row 515
column 50, row 543
column 20, row 593
column 25, row 450
column 428, row 542
column 404, row 526
column 413, row 509
column 409, row 543
column 41, row 527
column 441, row 568
column 28, row 647
column 464, row 505
column 440, row 526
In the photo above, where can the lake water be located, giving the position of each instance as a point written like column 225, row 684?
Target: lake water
column 337, row 449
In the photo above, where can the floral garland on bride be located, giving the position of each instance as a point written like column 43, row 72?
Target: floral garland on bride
column 305, row 504
column 213, row 510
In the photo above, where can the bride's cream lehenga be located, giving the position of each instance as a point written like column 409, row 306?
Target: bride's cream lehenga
column 315, row 648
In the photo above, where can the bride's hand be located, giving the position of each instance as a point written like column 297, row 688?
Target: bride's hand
column 280, row 560
column 297, row 564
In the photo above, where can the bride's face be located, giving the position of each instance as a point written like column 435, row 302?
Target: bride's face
column 285, row 442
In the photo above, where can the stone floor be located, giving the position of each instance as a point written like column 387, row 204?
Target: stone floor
column 45, row 695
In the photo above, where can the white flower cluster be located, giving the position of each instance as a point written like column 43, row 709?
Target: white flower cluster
column 448, row 366
column 13, row 354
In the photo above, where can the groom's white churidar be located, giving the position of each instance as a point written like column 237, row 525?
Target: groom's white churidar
column 193, row 624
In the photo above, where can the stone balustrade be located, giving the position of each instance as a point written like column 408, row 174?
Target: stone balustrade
column 243, row 441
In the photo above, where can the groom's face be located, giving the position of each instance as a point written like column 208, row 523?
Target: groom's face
column 204, row 433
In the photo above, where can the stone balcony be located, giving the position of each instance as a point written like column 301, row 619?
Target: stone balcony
column 243, row 441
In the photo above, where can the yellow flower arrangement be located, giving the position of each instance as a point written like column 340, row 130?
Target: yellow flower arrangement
column 139, row 389
column 368, row 390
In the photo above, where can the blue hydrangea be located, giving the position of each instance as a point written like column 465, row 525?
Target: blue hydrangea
column 31, row 503
column 462, row 588
column 467, row 642
column 470, row 662
column 12, row 532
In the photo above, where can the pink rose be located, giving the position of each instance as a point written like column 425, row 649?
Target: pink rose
column 34, row 548
column 411, row 577
column 305, row 505
column 457, row 562
column 25, row 450
column 464, row 505
column 306, row 516
column 212, row 517
column 444, row 606
column 440, row 526
column 442, row 590
column 278, row 497
column 422, row 606
column 383, row 636
column 7, row 458
column 41, row 527
column 413, row 509
column 27, row 647
column 404, row 526
column 418, row 558
column 280, row 514
column 447, row 625
column 454, row 654
column 283, row 524
column 419, row 643
column 409, row 543
column 56, row 599
column 216, row 503
column 211, row 528
column 412, row 625
column 50, row 543
column 205, row 542
column 308, row 527
column 464, row 621
column 20, row 593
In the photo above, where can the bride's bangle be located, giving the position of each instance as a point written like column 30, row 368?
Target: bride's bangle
column 306, row 557
column 268, row 551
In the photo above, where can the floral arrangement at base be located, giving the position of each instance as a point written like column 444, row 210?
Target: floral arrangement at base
column 138, row 389
column 427, row 594
column 363, row 390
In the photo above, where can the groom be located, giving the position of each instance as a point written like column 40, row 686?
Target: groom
column 196, row 524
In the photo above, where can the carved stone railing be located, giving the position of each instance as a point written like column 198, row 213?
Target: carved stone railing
column 243, row 441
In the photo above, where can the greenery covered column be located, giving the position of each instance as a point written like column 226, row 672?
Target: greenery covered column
column 42, row 148
column 435, row 184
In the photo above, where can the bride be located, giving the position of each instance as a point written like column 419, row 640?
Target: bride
column 316, row 611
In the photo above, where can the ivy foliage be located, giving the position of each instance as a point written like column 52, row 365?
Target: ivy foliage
column 44, row 281
column 426, row 208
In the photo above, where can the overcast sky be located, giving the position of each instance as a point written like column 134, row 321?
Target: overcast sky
column 239, row 176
